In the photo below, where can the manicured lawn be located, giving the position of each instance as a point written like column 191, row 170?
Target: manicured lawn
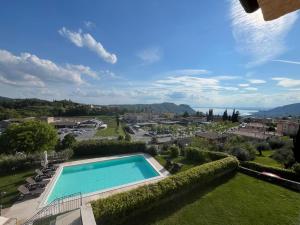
column 112, row 129
column 10, row 183
column 266, row 159
column 242, row 200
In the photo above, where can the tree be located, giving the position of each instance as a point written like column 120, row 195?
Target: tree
column 225, row 115
column 118, row 120
column 210, row 115
column 174, row 151
column 28, row 137
column 296, row 147
column 127, row 137
column 235, row 116
column 68, row 141
column 185, row 114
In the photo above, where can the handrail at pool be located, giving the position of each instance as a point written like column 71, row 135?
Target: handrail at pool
column 59, row 205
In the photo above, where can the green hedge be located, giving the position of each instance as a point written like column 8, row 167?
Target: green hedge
column 22, row 161
column 201, row 156
column 16, row 162
column 101, row 148
column 284, row 173
column 125, row 206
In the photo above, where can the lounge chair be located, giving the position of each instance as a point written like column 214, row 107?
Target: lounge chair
column 24, row 191
column 42, row 176
column 47, row 174
column 33, row 184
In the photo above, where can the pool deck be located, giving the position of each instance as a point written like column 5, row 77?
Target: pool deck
column 26, row 209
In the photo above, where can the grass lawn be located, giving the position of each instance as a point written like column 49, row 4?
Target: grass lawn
column 162, row 159
column 112, row 128
column 266, row 159
column 10, row 183
column 242, row 200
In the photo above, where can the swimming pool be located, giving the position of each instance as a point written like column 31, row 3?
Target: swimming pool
column 96, row 177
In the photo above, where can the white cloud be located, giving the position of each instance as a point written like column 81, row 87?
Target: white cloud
column 32, row 71
column 261, row 40
column 287, row 61
column 250, row 88
column 257, row 81
column 287, row 82
column 226, row 77
column 186, row 72
column 89, row 24
column 150, row 55
column 86, row 40
column 244, row 85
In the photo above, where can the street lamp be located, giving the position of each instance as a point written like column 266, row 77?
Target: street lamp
column 1, row 195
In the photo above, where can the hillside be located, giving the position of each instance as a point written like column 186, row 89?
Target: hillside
column 282, row 111
column 16, row 108
column 158, row 108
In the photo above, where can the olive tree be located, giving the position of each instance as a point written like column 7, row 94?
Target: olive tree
column 28, row 137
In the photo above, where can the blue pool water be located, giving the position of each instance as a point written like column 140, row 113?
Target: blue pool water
column 98, row 176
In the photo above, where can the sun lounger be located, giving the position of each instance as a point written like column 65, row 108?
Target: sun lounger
column 33, row 184
column 24, row 191
column 47, row 174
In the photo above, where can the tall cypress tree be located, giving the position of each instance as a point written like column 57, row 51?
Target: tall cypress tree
column 296, row 148
column 225, row 115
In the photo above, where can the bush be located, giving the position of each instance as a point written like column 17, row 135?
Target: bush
column 152, row 150
column 284, row 173
column 240, row 153
column 127, row 137
column 68, row 142
column 263, row 146
column 296, row 168
column 241, row 148
column 201, row 156
column 125, row 206
column 18, row 161
column 276, row 143
column 284, row 156
column 102, row 148
column 174, row 151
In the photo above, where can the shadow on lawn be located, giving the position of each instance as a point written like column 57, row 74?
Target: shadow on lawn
column 166, row 209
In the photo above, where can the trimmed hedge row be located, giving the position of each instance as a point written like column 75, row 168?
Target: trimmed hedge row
column 122, row 207
column 101, row 148
column 16, row 162
column 20, row 161
column 284, row 173
column 201, row 156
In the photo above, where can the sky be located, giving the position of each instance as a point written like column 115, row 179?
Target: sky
column 201, row 53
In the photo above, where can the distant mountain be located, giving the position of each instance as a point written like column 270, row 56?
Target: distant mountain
column 282, row 111
column 165, row 107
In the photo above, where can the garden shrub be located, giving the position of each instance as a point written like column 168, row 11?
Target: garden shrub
column 102, row 148
column 284, row 173
column 296, row 168
column 152, row 150
column 174, row 151
column 123, row 207
column 276, row 143
column 201, row 156
column 263, row 146
column 284, row 156
column 21, row 161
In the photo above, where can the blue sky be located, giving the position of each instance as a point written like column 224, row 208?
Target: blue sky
column 202, row 53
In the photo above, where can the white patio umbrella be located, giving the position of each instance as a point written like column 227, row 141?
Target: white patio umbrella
column 45, row 159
